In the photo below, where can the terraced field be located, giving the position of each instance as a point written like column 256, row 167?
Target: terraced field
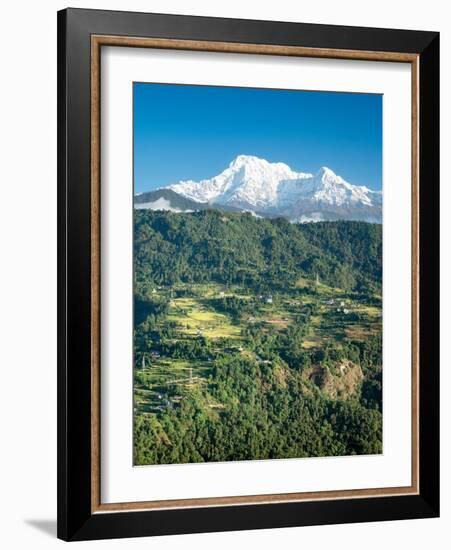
column 197, row 319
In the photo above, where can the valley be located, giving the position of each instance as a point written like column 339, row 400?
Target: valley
column 213, row 321
column 255, row 338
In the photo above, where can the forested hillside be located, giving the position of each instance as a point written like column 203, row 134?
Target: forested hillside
column 256, row 252
column 255, row 338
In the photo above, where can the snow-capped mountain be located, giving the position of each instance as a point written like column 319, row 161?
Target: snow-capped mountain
column 327, row 196
column 273, row 189
column 248, row 183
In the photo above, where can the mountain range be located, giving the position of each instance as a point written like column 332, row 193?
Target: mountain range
column 267, row 189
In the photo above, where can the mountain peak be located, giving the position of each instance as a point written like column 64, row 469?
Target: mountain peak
column 246, row 160
column 324, row 171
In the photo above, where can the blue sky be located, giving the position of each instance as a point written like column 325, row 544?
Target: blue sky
column 194, row 132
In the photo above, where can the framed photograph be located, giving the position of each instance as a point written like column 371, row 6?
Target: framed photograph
column 248, row 274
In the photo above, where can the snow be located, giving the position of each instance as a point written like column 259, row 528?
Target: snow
column 328, row 188
column 253, row 184
column 248, row 181
column 159, row 204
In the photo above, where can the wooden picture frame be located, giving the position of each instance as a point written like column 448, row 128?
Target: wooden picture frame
column 81, row 35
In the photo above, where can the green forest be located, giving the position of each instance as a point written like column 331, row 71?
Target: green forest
column 255, row 338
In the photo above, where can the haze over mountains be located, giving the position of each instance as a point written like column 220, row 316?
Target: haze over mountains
column 269, row 189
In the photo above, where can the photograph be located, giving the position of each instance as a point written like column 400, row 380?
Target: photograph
column 257, row 267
